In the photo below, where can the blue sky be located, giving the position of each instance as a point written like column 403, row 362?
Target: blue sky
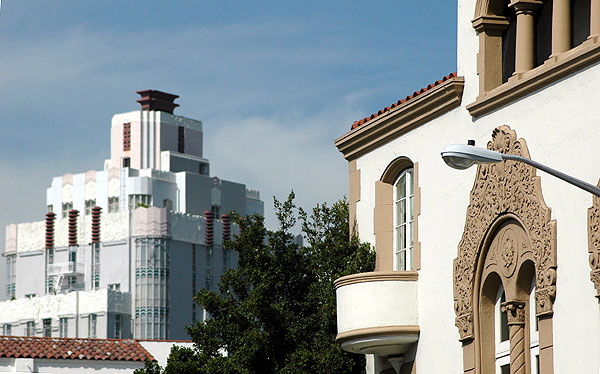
column 274, row 82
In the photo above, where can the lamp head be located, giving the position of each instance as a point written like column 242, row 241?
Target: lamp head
column 462, row 156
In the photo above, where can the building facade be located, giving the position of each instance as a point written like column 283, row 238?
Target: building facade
column 493, row 269
column 122, row 250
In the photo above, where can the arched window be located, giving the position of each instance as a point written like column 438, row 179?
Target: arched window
column 403, row 220
column 396, row 213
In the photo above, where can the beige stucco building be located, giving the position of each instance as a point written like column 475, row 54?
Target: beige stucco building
column 493, row 269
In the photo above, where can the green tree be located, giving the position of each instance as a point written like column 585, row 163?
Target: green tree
column 276, row 312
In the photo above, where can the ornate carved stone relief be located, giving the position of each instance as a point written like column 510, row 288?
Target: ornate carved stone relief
column 501, row 190
column 594, row 242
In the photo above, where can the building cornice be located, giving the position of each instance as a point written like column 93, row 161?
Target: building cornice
column 401, row 119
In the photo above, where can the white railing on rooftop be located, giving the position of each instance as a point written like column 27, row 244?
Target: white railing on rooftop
column 64, row 268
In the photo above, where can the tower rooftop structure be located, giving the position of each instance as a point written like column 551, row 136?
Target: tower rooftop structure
column 157, row 100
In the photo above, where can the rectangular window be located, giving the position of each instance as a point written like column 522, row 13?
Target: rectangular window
column 92, row 325
column 89, row 204
column 63, row 327
column 49, row 262
column 126, row 136
column 117, row 326
column 47, row 323
column 181, row 140
column 7, row 329
column 30, row 295
column 95, row 266
column 50, row 208
column 114, row 286
column 403, row 220
column 113, row 204
column 139, row 200
column 11, row 281
column 126, row 162
column 65, row 209
column 30, row 328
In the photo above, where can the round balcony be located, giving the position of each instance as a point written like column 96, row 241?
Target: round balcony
column 377, row 312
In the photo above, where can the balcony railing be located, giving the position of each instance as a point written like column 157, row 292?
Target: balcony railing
column 66, row 268
column 377, row 312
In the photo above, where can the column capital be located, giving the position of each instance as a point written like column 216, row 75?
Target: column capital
column 490, row 23
column 515, row 311
column 525, row 6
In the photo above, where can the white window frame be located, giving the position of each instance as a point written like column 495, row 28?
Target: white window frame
column 404, row 220
column 136, row 200
column 89, row 204
column 47, row 327
column 92, row 325
column 63, row 327
column 113, row 204
column 30, row 328
column 66, row 207
column 7, row 329
column 502, row 352
column 534, row 333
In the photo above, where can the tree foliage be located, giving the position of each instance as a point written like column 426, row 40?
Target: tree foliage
column 276, row 312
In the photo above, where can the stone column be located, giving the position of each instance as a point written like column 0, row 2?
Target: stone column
column 561, row 26
column 525, row 52
column 515, row 311
column 595, row 18
column 489, row 58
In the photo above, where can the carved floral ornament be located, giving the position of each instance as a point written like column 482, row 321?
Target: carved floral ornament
column 505, row 190
column 594, row 242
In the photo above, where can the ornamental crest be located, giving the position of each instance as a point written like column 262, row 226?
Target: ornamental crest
column 507, row 188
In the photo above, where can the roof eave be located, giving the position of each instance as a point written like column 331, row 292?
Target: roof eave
column 401, row 119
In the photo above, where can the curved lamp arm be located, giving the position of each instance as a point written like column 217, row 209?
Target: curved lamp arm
column 462, row 156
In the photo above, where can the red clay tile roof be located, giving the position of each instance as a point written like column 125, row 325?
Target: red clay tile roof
column 73, row 349
column 402, row 101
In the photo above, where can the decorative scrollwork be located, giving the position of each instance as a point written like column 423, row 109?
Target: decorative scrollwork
column 594, row 242
column 507, row 187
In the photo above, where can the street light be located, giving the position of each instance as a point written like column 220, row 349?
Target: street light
column 463, row 156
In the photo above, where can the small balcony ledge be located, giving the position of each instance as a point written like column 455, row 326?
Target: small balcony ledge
column 377, row 312
column 66, row 268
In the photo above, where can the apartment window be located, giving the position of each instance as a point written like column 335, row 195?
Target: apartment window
column 167, row 203
column 403, row 220
column 114, row 286
column 126, row 136
column 73, row 255
column 113, row 204
column 11, row 282
column 50, row 208
column 181, row 140
column 63, row 327
column 47, row 324
column 89, row 204
column 126, row 162
column 30, row 296
column 139, row 200
column 30, row 328
column 95, row 281
column 7, row 329
column 92, row 320
column 66, row 207
column 117, row 326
